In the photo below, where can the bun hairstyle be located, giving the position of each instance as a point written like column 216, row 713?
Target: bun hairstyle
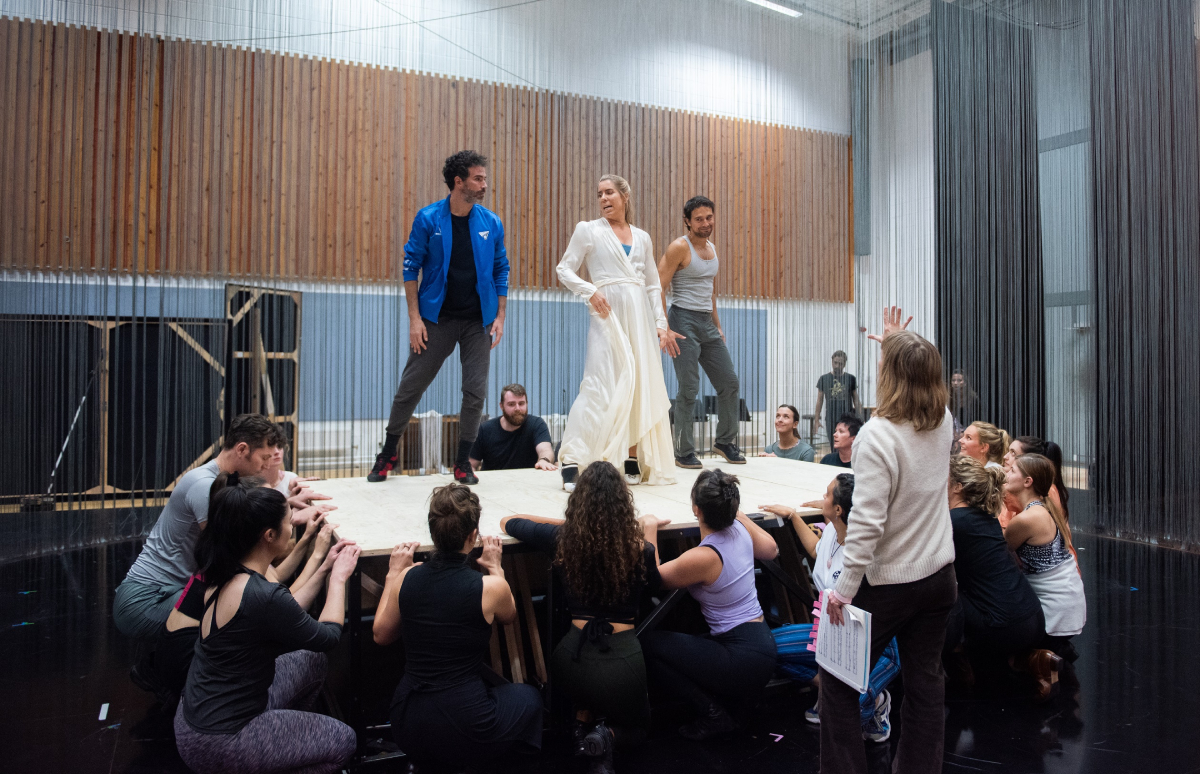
column 716, row 494
column 795, row 418
column 622, row 186
column 239, row 512
column 982, row 487
column 996, row 439
column 1031, row 444
column 843, row 494
column 1041, row 470
column 453, row 515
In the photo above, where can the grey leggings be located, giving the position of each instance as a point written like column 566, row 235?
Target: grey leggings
column 284, row 738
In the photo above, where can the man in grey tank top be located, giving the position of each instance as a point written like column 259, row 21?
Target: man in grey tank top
column 689, row 268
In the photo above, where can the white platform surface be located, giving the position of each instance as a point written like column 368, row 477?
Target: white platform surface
column 378, row 516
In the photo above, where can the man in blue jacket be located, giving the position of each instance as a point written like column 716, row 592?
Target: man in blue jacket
column 456, row 247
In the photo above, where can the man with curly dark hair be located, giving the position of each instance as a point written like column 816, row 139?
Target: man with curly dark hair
column 606, row 563
column 456, row 248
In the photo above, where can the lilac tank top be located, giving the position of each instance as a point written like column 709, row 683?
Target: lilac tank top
column 731, row 600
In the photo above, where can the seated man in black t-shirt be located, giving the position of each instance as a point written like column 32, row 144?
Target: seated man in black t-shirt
column 514, row 439
column 844, row 434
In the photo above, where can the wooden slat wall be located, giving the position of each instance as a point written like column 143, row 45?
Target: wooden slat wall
column 134, row 154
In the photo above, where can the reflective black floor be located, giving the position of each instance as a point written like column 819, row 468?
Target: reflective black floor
column 1133, row 708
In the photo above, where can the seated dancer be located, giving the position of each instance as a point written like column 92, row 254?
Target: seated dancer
column 605, row 564
column 825, row 553
column 997, row 615
column 147, row 595
column 1039, row 535
column 259, row 663
column 730, row 666
column 177, row 642
column 1059, row 494
column 514, row 439
column 689, row 267
column 790, row 445
column 622, row 402
column 456, row 247
column 984, row 442
column 844, row 433
column 443, row 713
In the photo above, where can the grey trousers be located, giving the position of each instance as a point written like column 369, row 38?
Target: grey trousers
column 703, row 348
column 475, row 354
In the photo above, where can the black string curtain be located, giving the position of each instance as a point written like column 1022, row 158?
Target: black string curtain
column 1147, row 246
column 988, row 243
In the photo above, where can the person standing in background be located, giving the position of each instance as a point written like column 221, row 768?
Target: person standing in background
column 837, row 392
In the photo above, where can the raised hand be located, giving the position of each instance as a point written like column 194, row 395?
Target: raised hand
column 493, row 549
column 892, row 317
column 311, row 514
column 402, row 557
column 347, row 560
column 782, row 511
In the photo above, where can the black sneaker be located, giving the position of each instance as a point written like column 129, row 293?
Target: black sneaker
column 569, row 472
column 633, row 471
column 713, row 723
column 598, row 745
column 579, row 731
column 730, row 452
column 691, row 462
column 463, row 474
column 383, row 466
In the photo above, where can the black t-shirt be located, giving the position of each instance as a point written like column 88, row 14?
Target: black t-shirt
column 499, row 449
column 994, row 590
column 838, row 390
column 462, row 296
column 234, row 665
column 833, row 459
column 544, row 537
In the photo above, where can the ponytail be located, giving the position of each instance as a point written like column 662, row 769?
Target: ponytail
column 795, row 418
column 240, row 510
column 997, row 440
column 1042, row 471
column 717, row 496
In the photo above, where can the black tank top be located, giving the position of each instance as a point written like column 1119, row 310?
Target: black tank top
column 441, row 620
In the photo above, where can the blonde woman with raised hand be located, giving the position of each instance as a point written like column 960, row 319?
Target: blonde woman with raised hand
column 621, row 412
column 898, row 553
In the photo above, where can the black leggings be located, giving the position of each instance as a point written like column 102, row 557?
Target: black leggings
column 732, row 667
column 610, row 684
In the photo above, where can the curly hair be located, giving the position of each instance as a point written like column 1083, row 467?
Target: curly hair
column 982, row 487
column 600, row 544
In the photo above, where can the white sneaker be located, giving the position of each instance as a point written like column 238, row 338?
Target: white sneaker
column 879, row 727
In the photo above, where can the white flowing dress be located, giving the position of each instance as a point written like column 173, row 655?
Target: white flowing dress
column 622, row 399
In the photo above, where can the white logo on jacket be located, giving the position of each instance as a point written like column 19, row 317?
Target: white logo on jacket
column 484, row 234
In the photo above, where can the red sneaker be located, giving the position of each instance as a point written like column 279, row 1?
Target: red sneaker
column 383, row 466
column 463, row 474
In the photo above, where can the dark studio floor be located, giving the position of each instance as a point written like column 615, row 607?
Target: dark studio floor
column 1137, row 694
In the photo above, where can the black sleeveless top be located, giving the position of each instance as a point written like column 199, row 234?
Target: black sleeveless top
column 441, row 621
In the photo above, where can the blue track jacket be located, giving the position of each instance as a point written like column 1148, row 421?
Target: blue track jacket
column 427, row 254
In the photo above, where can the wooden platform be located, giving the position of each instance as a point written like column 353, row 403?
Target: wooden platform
column 378, row 516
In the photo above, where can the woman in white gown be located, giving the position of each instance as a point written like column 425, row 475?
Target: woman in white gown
column 622, row 407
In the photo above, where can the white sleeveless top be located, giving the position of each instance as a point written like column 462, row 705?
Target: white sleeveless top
column 692, row 285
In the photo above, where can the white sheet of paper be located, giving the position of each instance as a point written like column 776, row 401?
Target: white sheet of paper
column 845, row 651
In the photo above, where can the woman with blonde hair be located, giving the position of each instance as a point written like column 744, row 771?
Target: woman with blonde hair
column 898, row 553
column 984, row 442
column 1041, row 538
column 621, row 412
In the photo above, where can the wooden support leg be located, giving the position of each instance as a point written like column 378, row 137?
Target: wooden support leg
column 531, row 623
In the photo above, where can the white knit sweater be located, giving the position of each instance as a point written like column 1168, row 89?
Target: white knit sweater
column 899, row 529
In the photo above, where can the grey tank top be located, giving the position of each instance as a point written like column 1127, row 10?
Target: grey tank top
column 692, row 285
